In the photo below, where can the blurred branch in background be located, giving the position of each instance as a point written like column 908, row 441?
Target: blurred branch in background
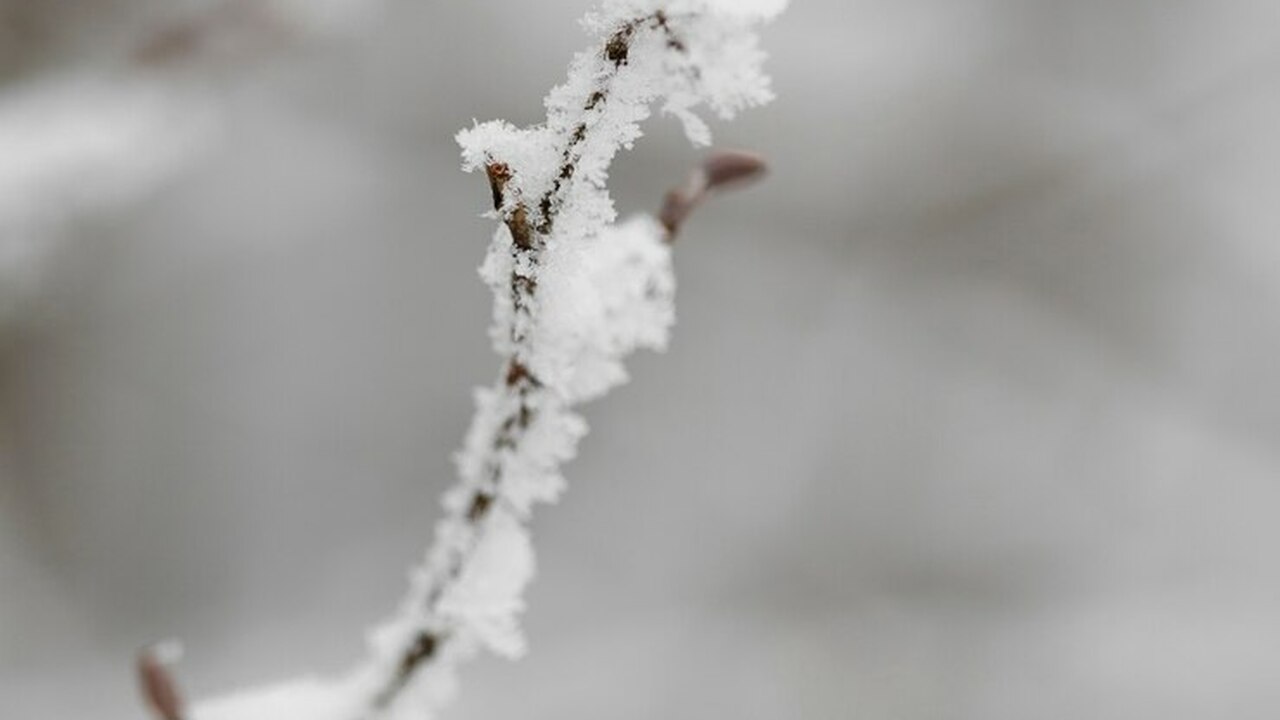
column 104, row 134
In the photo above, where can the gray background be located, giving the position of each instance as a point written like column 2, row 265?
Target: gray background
column 972, row 412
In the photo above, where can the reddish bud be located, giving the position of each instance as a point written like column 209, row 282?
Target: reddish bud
column 158, row 686
column 722, row 170
column 731, row 168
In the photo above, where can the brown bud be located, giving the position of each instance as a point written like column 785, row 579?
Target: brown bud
column 158, row 686
column 499, row 175
column 722, row 170
column 731, row 168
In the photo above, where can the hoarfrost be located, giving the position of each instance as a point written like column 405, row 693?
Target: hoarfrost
column 574, row 294
column 79, row 143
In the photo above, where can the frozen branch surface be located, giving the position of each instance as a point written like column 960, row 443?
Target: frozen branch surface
column 574, row 295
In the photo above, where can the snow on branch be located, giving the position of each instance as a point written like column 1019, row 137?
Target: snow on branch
column 574, row 294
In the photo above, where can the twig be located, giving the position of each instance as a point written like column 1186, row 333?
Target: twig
column 722, row 170
column 573, row 297
column 518, row 382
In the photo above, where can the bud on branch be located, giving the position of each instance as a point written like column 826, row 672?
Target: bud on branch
column 722, row 170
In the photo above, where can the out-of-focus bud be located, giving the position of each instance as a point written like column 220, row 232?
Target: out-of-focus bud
column 722, row 170
column 158, row 686
column 733, row 168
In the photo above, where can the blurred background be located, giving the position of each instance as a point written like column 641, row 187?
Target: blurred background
column 972, row 411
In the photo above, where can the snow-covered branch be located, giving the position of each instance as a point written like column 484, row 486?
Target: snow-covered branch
column 574, row 294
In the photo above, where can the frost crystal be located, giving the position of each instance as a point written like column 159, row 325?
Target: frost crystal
column 574, row 294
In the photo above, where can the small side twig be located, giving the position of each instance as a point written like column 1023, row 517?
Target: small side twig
column 516, row 381
column 722, row 170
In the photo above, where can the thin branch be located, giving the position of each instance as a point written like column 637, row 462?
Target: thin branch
column 517, row 380
column 573, row 298
column 228, row 28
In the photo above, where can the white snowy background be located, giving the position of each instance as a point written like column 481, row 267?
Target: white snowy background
column 972, row 411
